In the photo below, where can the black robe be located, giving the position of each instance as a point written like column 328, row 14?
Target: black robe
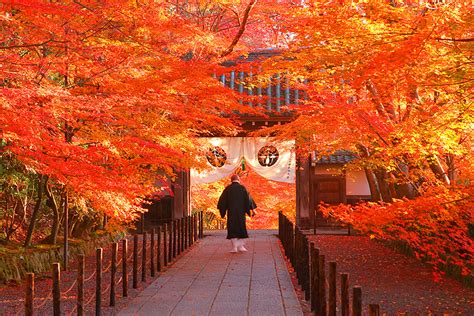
column 236, row 201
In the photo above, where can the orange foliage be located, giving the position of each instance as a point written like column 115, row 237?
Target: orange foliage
column 270, row 197
column 438, row 226
column 101, row 96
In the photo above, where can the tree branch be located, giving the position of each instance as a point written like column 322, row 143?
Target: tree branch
column 455, row 39
column 241, row 29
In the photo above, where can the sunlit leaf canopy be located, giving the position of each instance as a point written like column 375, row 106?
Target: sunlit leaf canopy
column 102, row 96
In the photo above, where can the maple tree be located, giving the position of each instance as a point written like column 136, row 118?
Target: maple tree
column 392, row 81
column 99, row 98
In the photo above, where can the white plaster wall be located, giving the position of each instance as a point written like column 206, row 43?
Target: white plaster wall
column 356, row 183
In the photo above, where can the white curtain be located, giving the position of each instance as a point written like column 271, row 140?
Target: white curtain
column 272, row 160
column 231, row 147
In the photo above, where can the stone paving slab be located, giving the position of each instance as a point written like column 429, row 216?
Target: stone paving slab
column 208, row 280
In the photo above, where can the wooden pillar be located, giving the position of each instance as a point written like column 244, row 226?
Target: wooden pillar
column 269, row 95
column 250, row 88
column 303, row 217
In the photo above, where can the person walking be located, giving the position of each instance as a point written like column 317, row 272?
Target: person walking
column 236, row 201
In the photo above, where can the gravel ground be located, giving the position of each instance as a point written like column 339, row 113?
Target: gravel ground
column 394, row 281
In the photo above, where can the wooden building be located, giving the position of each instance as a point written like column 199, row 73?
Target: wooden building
column 317, row 179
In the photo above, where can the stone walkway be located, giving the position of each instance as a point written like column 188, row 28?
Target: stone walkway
column 209, row 280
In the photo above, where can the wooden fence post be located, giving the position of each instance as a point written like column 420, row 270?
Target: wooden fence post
column 152, row 252
column 185, row 234
column 190, row 231
column 322, row 286
column 158, row 249
column 195, row 227
column 184, row 228
column 56, row 289
column 124, row 268
column 170, row 248
column 296, row 264
column 81, row 265
column 332, row 288
column 175, row 238
column 344, row 294
column 357, row 301
column 201, row 224
column 29, row 294
column 113, row 271
column 165, row 246
column 179, row 238
column 66, row 231
column 279, row 226
column 314, row 279
column 293, row 245
column 135, row 262
column 98, row 282
column 374, row 310
column 144, row 257
column 307, row 268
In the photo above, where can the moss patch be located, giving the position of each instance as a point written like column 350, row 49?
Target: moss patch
column 16, row 261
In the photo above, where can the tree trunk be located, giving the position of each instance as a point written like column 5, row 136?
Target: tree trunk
column 438, row 169
column 371, row 178
column 373, row 185
column 53, row 237
column 451, row 167
column 10, row 222
column 406, row 188
column 382, row 179
column 34, row 215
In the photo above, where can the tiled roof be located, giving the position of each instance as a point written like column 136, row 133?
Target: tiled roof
column 257, row 55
